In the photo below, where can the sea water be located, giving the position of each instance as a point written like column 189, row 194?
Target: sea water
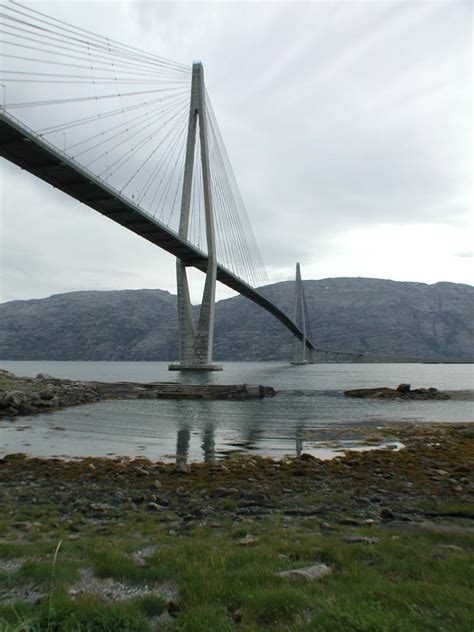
column 309, row 410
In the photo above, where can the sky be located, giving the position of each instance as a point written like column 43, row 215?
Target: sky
column 348, row 125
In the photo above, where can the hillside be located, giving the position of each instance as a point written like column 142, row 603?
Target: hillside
column 362, row 315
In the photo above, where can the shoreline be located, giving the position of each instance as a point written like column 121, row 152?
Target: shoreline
column 248, row 543
column 149, row 538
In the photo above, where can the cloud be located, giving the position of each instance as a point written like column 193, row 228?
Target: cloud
column 342, row 121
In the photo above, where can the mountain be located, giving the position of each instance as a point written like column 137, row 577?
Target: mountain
column 353, row 314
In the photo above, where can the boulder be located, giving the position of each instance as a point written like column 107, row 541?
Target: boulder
column 403, row 388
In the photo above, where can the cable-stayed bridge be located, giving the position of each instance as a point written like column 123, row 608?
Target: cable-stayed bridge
column 134, row 136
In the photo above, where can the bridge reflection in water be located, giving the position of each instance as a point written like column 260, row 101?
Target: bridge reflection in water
column 248, row 439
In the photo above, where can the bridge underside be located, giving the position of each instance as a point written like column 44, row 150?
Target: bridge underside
column 24, row 148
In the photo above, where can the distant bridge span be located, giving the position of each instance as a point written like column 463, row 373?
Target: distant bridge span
column 23, row 147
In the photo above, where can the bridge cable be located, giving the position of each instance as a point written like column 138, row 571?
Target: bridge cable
column 126, row 123
column 98, row 38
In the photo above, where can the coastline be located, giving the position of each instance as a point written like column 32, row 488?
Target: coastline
column 247, row 506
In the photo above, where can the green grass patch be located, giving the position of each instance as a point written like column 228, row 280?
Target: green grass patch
column 116, row 564
column 270, row 605
column 63, row 615
column 204, row 618
column 150, row 605
column 13, row 550
column 448, row 508
column 46, row 574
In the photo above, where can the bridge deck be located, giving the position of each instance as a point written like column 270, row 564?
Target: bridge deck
column 23, row 147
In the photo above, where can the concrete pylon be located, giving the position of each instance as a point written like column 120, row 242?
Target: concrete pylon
column 196, row 344
column 299, row 317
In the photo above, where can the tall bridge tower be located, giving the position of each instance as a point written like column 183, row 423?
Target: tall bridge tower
column 300, row 351
column 196, row 343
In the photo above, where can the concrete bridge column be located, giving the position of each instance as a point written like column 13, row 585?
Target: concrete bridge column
column 299, row 316
column 196, row 344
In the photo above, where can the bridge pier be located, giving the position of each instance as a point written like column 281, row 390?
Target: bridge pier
column 299, row 351
column 196, row 343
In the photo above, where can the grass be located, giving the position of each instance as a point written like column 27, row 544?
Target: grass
column 62, row 615
column 405, row 583
column 115, row 564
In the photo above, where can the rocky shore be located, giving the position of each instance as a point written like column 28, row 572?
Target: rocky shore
column 360, row 488
column 244, row 544
column 403, row 391
column 28, row 396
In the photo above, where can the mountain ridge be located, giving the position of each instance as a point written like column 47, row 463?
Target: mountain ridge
column 357, row 314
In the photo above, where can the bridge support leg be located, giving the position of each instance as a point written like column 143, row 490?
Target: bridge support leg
column 196, row 345
column 299, row 317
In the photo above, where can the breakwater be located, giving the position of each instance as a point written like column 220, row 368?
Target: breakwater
column 44, row 393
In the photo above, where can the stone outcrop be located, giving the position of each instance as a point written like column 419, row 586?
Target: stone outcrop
column 28, row 396
column 403, row 391
column 371, row 316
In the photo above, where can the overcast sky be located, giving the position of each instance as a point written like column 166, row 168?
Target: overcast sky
column 348, row 125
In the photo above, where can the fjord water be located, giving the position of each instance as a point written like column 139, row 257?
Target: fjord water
column 309, row 408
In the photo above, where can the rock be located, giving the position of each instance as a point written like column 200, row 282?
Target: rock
column 174, row 608
column 451, row 547
column 223, row 491
column 247, row 541
column 463, row 468
column 360, row 539
column 152, row 506
column 141, row 471
column 325, row 526
column 156, row 484
column 387, row 514
column 351, row 522
column 311, row 573
column 44, row 376
column 181, row 467
column 403, row 391
column 303, row 511
column 403, row 388
column 236, row 616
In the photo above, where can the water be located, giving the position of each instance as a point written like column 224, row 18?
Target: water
column 308, row 410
